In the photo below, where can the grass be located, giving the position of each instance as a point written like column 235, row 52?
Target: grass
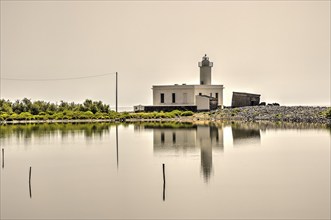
column 71, row 115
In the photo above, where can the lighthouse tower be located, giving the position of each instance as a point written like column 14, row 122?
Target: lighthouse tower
column 205, row 71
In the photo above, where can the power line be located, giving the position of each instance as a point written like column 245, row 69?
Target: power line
column 55, row 79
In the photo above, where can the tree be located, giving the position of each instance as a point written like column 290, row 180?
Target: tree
column 27, row 104
column 5, row 106
column 88, row 104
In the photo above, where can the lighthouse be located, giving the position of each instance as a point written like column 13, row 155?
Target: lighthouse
column 205, row 70
column 203, row 96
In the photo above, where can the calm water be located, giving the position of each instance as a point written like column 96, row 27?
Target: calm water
column 226, row 171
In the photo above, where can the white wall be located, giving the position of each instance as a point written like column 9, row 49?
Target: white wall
column 207, row 89
column 179, row 90
column 202, row 103
column 191, row 90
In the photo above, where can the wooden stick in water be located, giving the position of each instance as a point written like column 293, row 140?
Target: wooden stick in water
column 30, row 182
column 163, row 172
column 163, row 168
column 30, row 174
column 3, row 158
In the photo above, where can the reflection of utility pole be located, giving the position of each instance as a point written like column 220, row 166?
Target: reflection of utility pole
column 3, row 158
column 116, row 90
column 117, row 145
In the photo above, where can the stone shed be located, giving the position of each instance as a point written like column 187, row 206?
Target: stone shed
column 241, row 99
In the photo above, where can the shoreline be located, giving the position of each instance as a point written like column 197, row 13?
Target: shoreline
column 174, row 120
column 288, row 114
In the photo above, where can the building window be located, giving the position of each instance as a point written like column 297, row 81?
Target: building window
column 174, row 137
column 200, row 93
column 162, row 137
column 201, row 82
column 162, row 97
column 173, row 97
column 211, row 94
column 216, row 95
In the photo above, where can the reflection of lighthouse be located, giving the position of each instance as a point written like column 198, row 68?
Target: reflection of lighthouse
column 206, row 161
column 207, row 137
column 187, row 140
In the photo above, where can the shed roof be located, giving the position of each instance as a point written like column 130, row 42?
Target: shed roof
column 245, row 93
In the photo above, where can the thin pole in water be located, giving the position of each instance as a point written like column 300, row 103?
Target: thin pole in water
column 164, row 182
column 3, row 158
column 30, row 183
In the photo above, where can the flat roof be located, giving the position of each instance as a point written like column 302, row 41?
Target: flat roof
column 245, row 93
column 185, row 85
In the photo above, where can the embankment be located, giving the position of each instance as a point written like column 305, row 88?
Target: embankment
column 306, row 114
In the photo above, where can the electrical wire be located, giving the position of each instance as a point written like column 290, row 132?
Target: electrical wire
column 55, row 79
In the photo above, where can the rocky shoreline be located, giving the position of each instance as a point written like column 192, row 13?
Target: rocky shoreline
column 291, row 114
column 306, row 114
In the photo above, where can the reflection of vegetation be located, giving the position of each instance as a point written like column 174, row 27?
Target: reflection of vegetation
column 166, row 125
column 278, row 125
column 245, row 133
column 39, row 130
column 90, row 129
column 65, row 129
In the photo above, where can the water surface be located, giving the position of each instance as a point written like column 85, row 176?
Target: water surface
column 224, row 171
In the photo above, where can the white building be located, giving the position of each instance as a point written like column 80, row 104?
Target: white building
column 204, row 96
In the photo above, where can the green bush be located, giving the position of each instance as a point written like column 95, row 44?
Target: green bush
column 100, row 115
column 160, row 115
column 49, row 112
column 177, row 112
column 169, row 115
column 50, row 117
column 187, row 113
column 113, row 115
column 124, row 115
column 4, row 116
column 12, row 117
column 87, row 115
column 76, row 114
column 25, row 116
column 58, row 116
column 40, row 117
column 42, row 113
column 68, row 114
column 143, row 115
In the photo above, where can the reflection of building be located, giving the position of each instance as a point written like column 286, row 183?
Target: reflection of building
column 188, row 140
column 245, row 135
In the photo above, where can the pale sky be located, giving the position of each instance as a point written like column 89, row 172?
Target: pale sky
column 279, row 49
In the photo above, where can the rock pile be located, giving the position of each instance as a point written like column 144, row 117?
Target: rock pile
column 275, row 113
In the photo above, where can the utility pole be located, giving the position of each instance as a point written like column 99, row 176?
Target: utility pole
column 116, row 90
